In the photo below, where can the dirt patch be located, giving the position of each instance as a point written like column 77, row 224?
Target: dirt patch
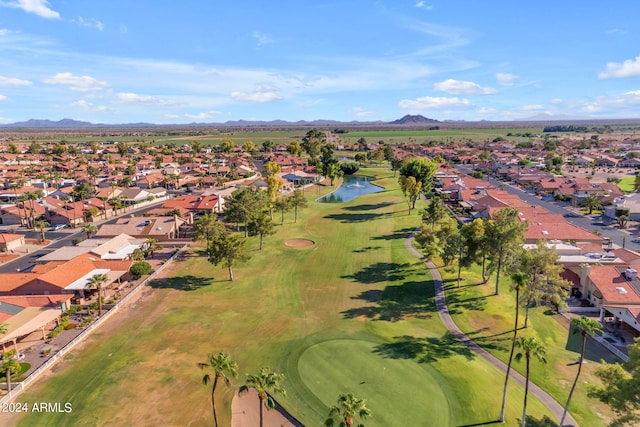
column 246, row 412
column 299, row 243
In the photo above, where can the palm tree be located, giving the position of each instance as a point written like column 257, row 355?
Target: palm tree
column 530, row 347
column 519, row 279
column 264, row 382
column 95, row 282
column 89, row 228
column 221, row 364
column 592, row 203
column 587, row 327
column 348, row 408
column 9, row 366
column 152, row 246
column 41, row 225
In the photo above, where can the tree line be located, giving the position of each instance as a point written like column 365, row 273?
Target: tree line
column 496, row 245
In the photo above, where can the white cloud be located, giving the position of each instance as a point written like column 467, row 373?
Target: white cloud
column 557, row 101
column 13, row 82
column 506, row 79
column 257, row 97
column 361, row 112
column 39, row 7
column 261, row 38
column 459, row 87
column 76, row 83
column 423, row 5
column 487, row 110
column 203, row 115
column 134, row 98
column 90, row 23
column 428, row 102
column 86, row 105
column 533, row 107
column 3, row 98
column 629, row 68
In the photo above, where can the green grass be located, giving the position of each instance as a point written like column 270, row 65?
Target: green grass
column 333, row 367
column 357, row 289
column 626, row 183
column 489, row 320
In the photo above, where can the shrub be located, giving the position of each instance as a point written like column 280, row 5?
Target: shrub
column 349, row 168
column 140, row 268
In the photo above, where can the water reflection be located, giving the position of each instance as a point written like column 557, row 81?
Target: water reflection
column 352, row 187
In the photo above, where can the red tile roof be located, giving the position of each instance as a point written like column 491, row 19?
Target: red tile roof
column 612, row 285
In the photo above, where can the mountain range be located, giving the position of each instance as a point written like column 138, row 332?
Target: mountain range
column 413, row 120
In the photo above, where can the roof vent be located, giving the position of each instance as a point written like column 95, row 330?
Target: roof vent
column 621, row 290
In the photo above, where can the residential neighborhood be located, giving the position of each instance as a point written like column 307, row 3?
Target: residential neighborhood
column 120, row 204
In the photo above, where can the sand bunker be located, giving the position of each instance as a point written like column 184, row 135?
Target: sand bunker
column 299, row 243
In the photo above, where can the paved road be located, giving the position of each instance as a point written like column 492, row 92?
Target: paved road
column 443, row 311
column 619, row 237
column 25, row 262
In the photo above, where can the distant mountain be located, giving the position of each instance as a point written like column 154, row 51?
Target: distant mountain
column 413, row 120
column 42, row 124
column 76, row 124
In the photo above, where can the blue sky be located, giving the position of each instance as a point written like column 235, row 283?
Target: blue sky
column 165, row 61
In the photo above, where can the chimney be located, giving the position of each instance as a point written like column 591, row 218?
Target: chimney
column 584, row 274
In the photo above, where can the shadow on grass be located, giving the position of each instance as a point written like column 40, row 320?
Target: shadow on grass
column 379, row 272
column 458, row 304
column 368, row 248
column 424, row 350
column 403, row 233
column 372, row 295
column 395, row 303
column 486, row 423
column 491, row 342
column 369, row 207
column 593, row 352
column 540, row 422
column 184, row 283
column 192, row 253
column 351, row 218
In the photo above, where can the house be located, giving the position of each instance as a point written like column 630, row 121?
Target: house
column 629, row 203
column 11, row 242
column 585, row 161
column 615, row 290
column 12, row 215
column 630, row 163
column 26, row 314
column 63, row 277
column 161, row 228
column 120, row 247
column 150, row 180
column 607, row 161
column 132, row 196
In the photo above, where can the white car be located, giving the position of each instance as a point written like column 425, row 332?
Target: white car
column 57, row 227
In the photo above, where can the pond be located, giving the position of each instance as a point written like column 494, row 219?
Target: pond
column 352, row 187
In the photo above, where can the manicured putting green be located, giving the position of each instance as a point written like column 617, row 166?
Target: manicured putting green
column 398, row 392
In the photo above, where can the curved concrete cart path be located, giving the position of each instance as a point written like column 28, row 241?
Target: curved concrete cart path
column 443, row 311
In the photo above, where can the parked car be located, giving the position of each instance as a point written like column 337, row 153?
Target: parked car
column 57, row 227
